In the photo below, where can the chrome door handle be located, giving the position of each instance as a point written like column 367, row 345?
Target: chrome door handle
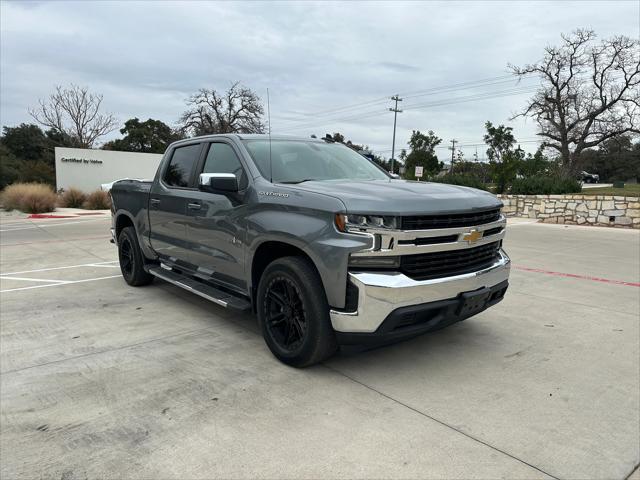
column 194, row 206
column 155, row 202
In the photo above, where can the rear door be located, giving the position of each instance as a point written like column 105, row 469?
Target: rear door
column 168, row 203
column 215, row 225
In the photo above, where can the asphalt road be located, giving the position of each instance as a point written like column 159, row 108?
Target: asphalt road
column 98, row 379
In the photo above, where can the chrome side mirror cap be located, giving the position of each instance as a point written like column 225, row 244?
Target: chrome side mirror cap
column 218, row 182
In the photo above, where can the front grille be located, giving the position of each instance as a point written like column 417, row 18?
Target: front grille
column 425, row 222
column 427, row 266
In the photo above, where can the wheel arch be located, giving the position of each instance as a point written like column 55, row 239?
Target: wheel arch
column 123, row 220
column 269, row 251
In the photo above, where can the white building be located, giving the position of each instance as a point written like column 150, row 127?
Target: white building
column 87, row 169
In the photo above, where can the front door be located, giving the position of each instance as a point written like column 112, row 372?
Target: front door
column 215, row 226
column 168, row 202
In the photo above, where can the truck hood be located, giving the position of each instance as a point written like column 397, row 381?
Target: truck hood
column 402, row 197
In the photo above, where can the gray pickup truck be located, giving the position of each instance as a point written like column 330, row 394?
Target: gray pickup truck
column 321, row 243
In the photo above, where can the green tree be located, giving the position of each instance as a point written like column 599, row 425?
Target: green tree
column 151, row 136
column 500, row 141
column 536, row 164
column 27, row 142
column 27, row 154
column 503, row 159
column 9, row 167
column 422, row 154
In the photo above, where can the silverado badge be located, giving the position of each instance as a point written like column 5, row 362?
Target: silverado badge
column 472, row 237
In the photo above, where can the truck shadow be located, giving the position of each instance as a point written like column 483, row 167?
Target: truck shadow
column 445, row 346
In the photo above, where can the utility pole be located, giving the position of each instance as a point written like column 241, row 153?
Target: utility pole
column 395, row 111
column 453, row 151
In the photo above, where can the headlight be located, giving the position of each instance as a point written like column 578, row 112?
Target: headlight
column 360, row 223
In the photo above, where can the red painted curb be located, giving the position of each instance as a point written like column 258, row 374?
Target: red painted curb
column 44, row 215
column 574, row 275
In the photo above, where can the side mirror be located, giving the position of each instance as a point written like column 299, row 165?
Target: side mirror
column 218, row 182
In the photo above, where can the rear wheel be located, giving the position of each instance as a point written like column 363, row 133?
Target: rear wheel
column 131, row 259
column 294, row 314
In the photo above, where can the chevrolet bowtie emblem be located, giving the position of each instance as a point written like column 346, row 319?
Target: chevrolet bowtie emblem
column 472, row 237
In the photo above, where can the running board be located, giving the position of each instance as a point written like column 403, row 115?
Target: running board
column 205, row 291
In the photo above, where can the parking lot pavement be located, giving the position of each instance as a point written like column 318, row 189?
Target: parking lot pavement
column 98, row 379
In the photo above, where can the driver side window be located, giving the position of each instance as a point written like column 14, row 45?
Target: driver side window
column 222, row 159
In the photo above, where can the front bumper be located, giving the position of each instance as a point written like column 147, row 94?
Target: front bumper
column 381, row 294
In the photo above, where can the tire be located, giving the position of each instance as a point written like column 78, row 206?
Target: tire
column 131, row 259
column 294, row 314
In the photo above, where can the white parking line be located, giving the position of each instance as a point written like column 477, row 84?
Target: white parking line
column 24, row 279
column 59, row 284
column 95, row 264
column 47, row 225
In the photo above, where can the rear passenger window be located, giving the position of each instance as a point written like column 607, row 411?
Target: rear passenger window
column 222, row 159
column 181, row 165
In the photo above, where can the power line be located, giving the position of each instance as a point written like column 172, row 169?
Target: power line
column 415, row 93
column 491, row 81
column 475, row 97
column 460, row 86
column 471, row 98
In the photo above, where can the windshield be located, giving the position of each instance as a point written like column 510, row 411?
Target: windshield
column 295, row 161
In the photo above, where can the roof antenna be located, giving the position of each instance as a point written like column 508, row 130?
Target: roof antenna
column 269, row 119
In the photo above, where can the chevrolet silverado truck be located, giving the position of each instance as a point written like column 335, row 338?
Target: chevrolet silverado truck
column 324, row 246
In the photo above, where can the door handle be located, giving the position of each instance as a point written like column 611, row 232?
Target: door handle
column 194, row 206
column 155, row 202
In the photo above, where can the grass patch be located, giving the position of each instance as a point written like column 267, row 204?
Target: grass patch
column 629, row 190
column 72, row 198
column 29, row 198
column 98, row 200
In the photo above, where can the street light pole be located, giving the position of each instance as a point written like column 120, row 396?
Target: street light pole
column 395, row 117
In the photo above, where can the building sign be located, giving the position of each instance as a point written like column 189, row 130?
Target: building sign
column 83, row 161
column 87, row 169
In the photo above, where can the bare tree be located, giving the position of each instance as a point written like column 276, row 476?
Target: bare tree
column 239, row 110
column 590, row 92
column 75, row 112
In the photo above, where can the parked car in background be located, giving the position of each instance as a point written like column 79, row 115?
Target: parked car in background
column 586, row 177
column 320, row 242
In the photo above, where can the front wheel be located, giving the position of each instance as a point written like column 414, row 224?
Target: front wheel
column 294, row 314
column 131, row 259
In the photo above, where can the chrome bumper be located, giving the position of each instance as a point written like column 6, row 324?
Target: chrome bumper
column 379, row 293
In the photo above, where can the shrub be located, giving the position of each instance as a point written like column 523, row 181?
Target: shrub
column 29, row 198
column 72, row 198
column 98, row 200
column 463, row 179
column 544, row 185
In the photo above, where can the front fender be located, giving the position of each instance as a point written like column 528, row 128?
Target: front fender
column 314, row 233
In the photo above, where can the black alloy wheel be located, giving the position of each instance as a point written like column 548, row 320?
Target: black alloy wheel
column 126, row 256
column 293, row 312
column 132, row 259
column 284, row 314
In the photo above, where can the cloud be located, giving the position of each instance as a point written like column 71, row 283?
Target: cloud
column 328, row 66
column 399, row 67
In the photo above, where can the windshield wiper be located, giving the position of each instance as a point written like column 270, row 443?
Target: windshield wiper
column 300, row 181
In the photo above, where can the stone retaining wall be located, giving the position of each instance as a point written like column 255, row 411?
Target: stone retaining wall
column 603, row 210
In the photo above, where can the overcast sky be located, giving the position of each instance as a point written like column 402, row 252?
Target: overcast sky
column 315, row 58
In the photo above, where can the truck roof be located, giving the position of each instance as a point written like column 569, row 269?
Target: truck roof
column 253, row 136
